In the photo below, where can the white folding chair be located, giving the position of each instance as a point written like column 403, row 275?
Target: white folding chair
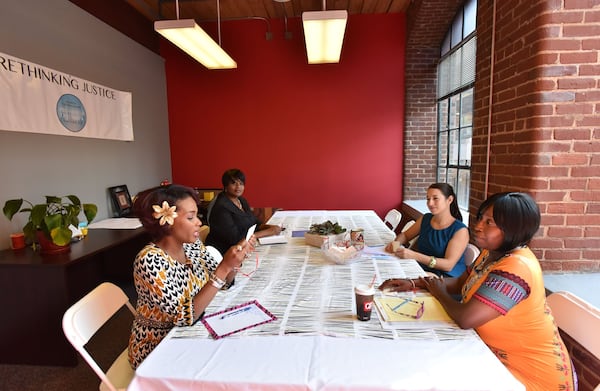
column 471, row 254
column 392, row 219
column 578, row 318
column 84, row 318
column 405, row 228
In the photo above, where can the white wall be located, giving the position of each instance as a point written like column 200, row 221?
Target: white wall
column 59, row 35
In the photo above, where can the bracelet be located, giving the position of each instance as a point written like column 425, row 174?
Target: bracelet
column 414, row 286
column 432, row 262
column 216, row 281
column 215, row 284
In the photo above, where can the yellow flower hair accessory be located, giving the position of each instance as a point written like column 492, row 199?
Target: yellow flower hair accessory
column 166, row 213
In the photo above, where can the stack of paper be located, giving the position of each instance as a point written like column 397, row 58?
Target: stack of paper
column 117, row 223
column 274, row 239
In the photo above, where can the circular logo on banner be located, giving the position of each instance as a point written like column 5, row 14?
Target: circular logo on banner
column 71, row 113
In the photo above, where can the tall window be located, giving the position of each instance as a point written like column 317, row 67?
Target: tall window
column 456, row 78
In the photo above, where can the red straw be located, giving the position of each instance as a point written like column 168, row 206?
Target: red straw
column 373, row 280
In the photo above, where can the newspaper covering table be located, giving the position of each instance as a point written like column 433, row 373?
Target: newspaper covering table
column 313, row 301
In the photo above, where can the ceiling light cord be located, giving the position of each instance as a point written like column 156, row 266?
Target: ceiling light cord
column 219, row 20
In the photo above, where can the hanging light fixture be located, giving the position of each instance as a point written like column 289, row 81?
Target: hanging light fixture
column 190, row 38
column 324, row 35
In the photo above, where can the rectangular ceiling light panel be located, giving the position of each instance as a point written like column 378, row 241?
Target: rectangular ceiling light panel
column 324, row 35
column 190, row 38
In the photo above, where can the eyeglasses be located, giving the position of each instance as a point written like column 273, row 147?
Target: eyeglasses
column 419, row 305
column 252, row 272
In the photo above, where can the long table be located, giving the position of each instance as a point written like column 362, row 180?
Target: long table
column 317, row 343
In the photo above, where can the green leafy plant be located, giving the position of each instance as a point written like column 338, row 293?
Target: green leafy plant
column 52, row 218
column 326, row 228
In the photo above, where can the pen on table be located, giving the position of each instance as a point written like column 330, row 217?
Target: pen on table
column 234, row 312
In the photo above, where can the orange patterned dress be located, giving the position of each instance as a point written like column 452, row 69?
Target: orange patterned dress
column 525, row 337
column 165, row 290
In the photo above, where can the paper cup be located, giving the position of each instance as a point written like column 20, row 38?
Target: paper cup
column 364, row 301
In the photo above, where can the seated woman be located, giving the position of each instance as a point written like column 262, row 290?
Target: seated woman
column 230, row 215
column 174, row 276
column 443, row 237
column 503, row 295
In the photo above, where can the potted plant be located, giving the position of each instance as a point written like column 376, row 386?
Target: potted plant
column 326, row 233
column 52, row 219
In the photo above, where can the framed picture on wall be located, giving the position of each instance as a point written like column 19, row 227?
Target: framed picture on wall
column 121, row 199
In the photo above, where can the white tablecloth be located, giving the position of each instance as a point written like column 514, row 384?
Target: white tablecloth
column 316, row 343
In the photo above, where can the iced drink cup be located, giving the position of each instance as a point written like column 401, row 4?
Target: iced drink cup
column 364, row 301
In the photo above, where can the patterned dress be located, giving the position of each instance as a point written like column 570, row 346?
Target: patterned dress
column 525, row 337
column 165, row 290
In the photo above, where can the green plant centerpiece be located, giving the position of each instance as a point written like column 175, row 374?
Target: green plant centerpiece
column 326, row 228
column 324, row 234
column 52, row 218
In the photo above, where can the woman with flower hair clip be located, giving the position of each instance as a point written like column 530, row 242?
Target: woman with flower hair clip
column 175, row 276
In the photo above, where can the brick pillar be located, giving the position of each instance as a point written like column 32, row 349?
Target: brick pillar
column 545, row 128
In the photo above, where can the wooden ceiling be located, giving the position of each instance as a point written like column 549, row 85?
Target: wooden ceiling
column 270, row 9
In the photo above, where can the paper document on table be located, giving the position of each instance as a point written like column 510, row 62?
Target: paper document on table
column 273, row 239
column 401, row 310
column 235, row 319
column 378, row 253
column 117, row 223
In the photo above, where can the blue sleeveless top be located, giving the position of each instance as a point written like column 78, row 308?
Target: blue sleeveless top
column 433, row 242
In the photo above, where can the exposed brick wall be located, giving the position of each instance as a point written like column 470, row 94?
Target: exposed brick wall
column 545, row 132
column 427, row 23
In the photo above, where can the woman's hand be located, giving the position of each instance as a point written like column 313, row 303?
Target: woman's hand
column 236, row 254
column 435, row 285
column 253, row 241
column 390, row 247
column 267, row 230
column 404, row 253
column 397, row 285
column 273, row 230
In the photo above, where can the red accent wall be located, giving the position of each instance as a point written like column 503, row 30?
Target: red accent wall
column 307, row 136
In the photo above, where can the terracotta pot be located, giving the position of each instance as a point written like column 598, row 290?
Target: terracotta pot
column 47, row 247
column 17, row 241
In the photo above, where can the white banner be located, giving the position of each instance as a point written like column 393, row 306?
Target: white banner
column 37, row 99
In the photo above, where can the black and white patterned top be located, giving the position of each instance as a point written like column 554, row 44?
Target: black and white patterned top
column 165, row 290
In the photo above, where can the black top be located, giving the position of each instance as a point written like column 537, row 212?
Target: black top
column 228, row 224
